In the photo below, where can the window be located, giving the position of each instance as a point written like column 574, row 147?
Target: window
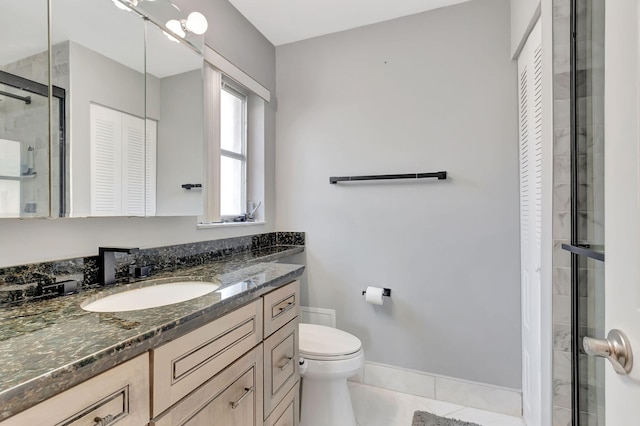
column 233, row 151
column 235, row 111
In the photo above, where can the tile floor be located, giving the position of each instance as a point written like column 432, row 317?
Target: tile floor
column 375, row 406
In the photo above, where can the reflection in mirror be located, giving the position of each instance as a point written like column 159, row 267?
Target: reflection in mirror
column 175, row 114
column 134, row 128
column 98, row 58
column 24, row 109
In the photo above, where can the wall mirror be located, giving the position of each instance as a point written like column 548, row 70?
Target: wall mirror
column 134, row 96
column 126, row 133
column 24, row 109
column 97, row 56
column 175, row 117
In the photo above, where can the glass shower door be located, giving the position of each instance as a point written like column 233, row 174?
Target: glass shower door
column 587, row 208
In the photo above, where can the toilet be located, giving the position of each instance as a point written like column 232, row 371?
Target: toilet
column 331, row 356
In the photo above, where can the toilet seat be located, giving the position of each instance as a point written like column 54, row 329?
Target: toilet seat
column 318, row 342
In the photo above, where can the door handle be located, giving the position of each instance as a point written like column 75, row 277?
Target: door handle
column 616, row 348
column 287, row 364
column 247, row 391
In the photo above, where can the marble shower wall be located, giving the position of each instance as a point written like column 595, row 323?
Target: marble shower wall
column 561, row 213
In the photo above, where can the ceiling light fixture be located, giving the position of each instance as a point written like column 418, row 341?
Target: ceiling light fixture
column 195, row 23
column 176, row 27
column 122, row 4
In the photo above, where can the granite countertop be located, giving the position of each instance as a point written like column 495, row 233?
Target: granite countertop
column 48, row 346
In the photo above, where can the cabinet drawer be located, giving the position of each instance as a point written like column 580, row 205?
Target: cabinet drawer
column 121, row 393
column 280, row 364
column 233, row 398
column 183, row 364
column 287, row 413
column 281, row 306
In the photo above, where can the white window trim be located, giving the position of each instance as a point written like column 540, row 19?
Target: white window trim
column 220, row 62
column 215, row 65
column 229, row 224
column 212, row 84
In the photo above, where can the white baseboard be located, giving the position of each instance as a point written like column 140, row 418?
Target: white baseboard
column 470, row 394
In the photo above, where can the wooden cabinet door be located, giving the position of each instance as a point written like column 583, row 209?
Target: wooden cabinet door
column 233, row 398
column 119, row 396
column 281, row 370
column 287, row 413
column 233, row 406
column 280, row 307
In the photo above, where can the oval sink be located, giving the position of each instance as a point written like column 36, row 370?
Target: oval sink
column 152, row 296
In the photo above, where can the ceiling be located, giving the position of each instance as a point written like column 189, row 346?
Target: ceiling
column 93, row 24
column 286, row 21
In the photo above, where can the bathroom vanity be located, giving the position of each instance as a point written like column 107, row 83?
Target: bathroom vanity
column 230, row 355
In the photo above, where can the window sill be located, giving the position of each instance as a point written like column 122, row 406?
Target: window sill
column 228, row 224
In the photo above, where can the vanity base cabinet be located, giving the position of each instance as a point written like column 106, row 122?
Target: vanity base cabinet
column 233, row 398
column 185, row 363
column 119, row 396
column 238, row 370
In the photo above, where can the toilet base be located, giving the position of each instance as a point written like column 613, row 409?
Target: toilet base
column 326, row 403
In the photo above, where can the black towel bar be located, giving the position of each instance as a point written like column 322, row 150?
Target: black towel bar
column 439, row 175
column 189, row 186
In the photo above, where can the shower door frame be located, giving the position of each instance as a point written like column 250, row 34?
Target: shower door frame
column 579, row 250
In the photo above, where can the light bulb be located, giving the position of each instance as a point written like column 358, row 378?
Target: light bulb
column 175, row 26
column 197, row 23
column 170, row 37
column 121, row 6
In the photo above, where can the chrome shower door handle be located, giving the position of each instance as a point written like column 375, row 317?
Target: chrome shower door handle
column 616, row 348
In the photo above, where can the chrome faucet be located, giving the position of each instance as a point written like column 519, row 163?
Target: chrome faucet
column 107, row 262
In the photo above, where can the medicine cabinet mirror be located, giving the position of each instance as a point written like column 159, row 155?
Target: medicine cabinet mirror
column 126, row 111
column 24, row 110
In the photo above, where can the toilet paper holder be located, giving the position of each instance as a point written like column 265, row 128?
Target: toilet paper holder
column 386, row 292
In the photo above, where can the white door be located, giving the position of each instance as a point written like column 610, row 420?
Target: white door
column 530, row 141
column 622, row 201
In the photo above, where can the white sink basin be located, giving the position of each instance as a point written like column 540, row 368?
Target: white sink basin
column 151, row 296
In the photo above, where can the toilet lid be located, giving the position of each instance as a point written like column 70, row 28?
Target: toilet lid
column 318, row 340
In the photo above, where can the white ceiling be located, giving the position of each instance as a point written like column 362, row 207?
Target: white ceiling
column 97, row 25
column 286, row 21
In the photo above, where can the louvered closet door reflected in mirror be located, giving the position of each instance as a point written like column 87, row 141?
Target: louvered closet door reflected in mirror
column 121, row 185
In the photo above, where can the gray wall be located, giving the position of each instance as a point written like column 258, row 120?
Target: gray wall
column 180, row 144
column 433, row 91
column 25, row 241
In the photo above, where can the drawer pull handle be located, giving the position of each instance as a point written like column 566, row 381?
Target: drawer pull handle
column 246, row 393
column 285, row 308
column 287, row 364
column 103, row 421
